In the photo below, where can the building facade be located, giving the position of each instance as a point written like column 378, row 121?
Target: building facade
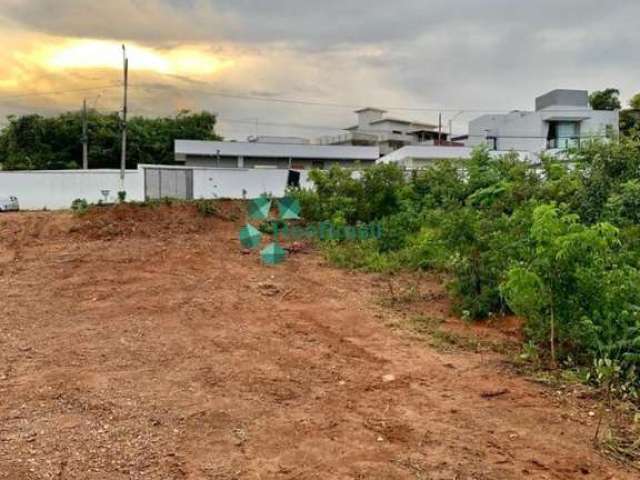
column 562, row 119
column 294, row 156
column 389, row 134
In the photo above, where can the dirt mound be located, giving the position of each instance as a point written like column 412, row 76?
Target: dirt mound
column 149, row 220
column 118, row 221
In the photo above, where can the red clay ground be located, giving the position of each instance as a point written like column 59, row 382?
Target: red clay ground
column 143, row 344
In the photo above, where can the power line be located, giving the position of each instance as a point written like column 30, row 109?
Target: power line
column 248, row 97
column 239, row 96
column 274, row 99
column 59, row 92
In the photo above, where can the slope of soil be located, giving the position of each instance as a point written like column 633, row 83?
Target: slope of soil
column 149, row 346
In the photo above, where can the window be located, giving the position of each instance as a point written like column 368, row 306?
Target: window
column 564, row 134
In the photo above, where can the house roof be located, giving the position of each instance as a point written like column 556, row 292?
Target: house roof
column 275, row 150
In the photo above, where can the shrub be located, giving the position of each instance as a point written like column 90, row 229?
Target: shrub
column 79, row 206
column 573, row 292
column 207, row 207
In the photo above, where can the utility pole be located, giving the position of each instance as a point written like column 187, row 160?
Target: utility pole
column 85, row 139
column 123, row 159
column 440, row 128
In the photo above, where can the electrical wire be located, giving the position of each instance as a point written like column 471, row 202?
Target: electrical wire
column 59, row 92
column 274, row 99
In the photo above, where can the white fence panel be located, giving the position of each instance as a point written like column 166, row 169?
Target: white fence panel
column 235, row 183
column 56, row 189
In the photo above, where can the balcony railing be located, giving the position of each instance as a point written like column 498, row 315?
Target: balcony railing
column 354, row 138
column 359, row 138
column 563, row 143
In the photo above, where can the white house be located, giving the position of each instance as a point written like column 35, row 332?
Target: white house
column 390, row 134
column 296, row 156
column 562, row 119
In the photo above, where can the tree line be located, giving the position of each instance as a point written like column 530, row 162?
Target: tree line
column 35, row 142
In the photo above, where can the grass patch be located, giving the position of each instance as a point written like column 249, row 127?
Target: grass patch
column 431, row 329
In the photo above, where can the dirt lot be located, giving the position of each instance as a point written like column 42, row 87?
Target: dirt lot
column 143, row 343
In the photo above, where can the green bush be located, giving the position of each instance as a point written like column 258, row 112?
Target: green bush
column 79, row 206
column 574, row 293
column 207, row 207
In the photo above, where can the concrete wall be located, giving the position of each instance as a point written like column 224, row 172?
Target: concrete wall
column 209, row 162
column 56, row 189
column 238, row 183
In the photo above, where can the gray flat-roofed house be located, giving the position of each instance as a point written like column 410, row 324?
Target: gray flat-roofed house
column 562, row 119
column 195, row 153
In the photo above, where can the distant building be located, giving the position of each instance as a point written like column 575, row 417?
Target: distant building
column 388, row 133
column 296, row 156
column 562, row 119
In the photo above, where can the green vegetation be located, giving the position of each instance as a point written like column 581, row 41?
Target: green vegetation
column 606, row 99
column 207, row 207
column 79, row 206
column 34, row 142
column 557, row 245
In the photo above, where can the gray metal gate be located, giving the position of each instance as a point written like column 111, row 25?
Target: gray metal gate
column 168, row 183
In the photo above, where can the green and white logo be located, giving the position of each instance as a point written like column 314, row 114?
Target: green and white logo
column 289, row 209
column 259, row 209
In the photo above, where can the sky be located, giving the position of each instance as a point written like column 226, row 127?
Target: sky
column 300, row 67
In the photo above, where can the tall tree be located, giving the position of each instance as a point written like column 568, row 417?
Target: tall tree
column 630, row 117
column 606, row 99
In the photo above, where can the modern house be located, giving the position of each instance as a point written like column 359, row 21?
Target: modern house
column 295, row 156
column 562, row 119
column 389, row 134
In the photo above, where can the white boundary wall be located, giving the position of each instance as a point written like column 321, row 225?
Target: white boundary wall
column 234, row 183
column 56, row 189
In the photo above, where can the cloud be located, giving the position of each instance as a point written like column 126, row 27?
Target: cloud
column 467, row 54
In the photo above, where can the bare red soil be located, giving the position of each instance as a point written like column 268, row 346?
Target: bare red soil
column 144, row 344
